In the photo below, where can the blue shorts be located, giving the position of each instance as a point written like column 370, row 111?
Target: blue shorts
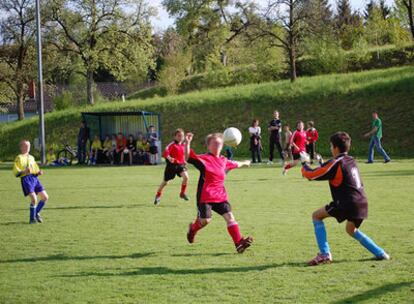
column 30, row 183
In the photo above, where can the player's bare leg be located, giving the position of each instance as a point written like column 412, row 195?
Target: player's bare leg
column 324, row 256
column 365, row 241
column 289, row 166
column 43, row 199
column 33, row 202
column 157, row 199
column 185, row 177
column 240, row 242
column 198, row 224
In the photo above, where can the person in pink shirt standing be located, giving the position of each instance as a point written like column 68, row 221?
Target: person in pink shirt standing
column 211, row 194
column 298, row 144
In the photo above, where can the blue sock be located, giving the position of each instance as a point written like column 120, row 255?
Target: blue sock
column 40, row 206
column 320, row 234
column 368, row 244
column 32, row 212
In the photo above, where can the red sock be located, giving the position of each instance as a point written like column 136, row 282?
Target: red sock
column 288, row 166
column 159, row 194
column 234, row 231
column 183, row 188
column 195, row 226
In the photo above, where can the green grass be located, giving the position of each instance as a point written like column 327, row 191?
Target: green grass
column 104, row 242
column 334, row 102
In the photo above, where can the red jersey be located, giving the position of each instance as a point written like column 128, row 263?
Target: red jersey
column 120, row 144
column 312, row 135
column 175, row 150
column 213, row 171
column 299, row 139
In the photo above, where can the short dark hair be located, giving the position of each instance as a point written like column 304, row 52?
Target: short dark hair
column 254, row 121
column 311, row 123
column 342, row 141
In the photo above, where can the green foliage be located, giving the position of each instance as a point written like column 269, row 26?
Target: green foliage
column 104, row 242
column 334, row 102
column 156, row 91
column 63, row 101
column 174, row 72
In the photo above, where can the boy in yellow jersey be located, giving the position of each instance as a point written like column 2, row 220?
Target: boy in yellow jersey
column 95, row 148
column 51, row 158
column 27, row 169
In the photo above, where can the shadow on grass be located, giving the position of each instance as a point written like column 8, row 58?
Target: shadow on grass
column 143, row 271
column 374, row 293
column 202, row 254
column 63, row 257
column 14, row 223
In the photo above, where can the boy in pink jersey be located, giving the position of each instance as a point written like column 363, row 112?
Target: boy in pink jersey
column 298, row 145
column 211, row 194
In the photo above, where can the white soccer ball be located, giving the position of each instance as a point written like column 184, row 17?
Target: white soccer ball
column 232, row 137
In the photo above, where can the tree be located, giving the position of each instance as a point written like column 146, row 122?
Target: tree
column 285, row 25
column 319, row 18
column 408, row 6
column 385, row 9
column 344, row 14
column 17, row 53
column 103, row 36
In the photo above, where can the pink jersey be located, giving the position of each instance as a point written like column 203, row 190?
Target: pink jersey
column 299, row 139
column 213, row 171
column 176, row 151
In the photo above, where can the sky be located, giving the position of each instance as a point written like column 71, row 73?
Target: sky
column 163, row 21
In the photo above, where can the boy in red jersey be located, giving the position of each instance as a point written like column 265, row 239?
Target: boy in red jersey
column 175, row 157
column 211, row 194
column 311, row 136
column 298, row 144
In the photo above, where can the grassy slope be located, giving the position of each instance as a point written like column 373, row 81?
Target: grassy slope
column 104, row 242
column 335, row 102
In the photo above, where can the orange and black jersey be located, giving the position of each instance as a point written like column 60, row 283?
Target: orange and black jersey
column 345, row 183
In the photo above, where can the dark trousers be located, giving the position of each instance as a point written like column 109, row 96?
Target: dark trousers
column 256, row 153
column 272, row 143
column 311, row 150
column 81, row 152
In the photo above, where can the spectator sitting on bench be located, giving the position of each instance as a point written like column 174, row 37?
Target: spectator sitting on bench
column 143, row 148
column 130, row 148
column 120, row 147
column 96, row 149
column 107, row 148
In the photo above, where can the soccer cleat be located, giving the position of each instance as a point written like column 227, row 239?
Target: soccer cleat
column 39, row 219
column 244, row 244
column 321, row 259
column 157, row 200
column 387, row 161
column 190, row 234
column 284, row 172
column 384, row 256
column 184, row 196
column 32, row 222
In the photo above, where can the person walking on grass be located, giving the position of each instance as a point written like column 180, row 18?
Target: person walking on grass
column 375, row 141
column 255, row 141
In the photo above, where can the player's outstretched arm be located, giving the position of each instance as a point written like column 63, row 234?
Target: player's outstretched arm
column 245, row 163
column 188, row 139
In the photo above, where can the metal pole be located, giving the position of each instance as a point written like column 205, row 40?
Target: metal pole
column 40, row 105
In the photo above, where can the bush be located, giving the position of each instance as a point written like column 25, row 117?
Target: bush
column 63, row 101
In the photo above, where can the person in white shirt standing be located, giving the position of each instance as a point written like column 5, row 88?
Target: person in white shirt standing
column 255, row 141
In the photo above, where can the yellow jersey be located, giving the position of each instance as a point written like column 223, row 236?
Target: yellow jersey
column 50, row 158
column 96, row 145
column 22, row 162
column 107, row 144
column 143, row 147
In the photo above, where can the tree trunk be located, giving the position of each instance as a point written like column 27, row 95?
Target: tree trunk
column 292, row 64
column 411, row 17
column 20, row 101
column 89, row 87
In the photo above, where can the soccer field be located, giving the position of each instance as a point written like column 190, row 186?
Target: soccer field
column 103, row 240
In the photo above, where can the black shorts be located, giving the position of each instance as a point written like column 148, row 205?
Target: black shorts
column 204, row 209
column 172, row 170
column 153, row 150
column 341, row 215
column 296, row 156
